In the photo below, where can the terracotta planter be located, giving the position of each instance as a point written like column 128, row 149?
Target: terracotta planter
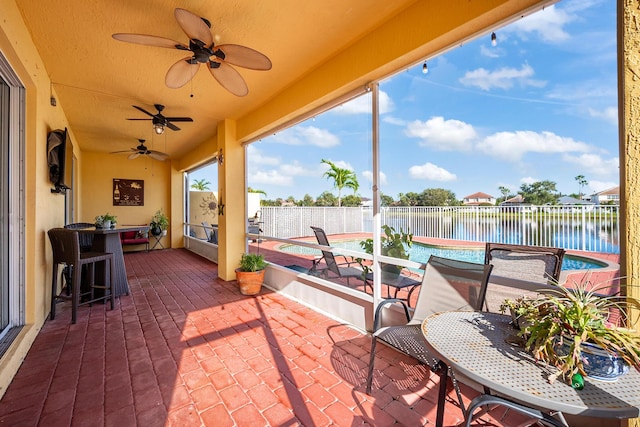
column 250, row 282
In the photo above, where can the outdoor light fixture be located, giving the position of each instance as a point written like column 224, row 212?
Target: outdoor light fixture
column 425, row 69
column 494, row 40
column 158, row 128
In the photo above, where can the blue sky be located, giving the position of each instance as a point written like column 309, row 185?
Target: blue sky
column 540, row 105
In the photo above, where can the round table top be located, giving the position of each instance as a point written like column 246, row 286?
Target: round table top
column 476, row 345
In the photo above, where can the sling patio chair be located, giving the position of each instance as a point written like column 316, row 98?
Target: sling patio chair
column 520, row 270
column 339, row 270
column 447, row 284
column 211, row 232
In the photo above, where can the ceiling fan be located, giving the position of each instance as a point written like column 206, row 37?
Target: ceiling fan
column 143, row 150
column 159, row 121
column 218, row 59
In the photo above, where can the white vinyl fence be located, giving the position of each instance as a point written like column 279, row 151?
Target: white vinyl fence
column 588, row 228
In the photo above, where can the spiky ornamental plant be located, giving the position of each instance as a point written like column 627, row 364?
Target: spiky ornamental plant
column 573, row 316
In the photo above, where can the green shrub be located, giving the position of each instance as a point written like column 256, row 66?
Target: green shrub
column 252, row 262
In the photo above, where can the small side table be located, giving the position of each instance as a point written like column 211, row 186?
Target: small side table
column 402, row 282
column 158, row 241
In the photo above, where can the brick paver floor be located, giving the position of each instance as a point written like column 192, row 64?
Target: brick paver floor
column 187, row 349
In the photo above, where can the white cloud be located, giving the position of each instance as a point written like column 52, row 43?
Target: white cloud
column 271, row 177
column 594, row 164
column 587, row 90
column 490, row 52
column 503, row 78
column 441, row 134
column 307, row 135
column 511, row 146
column 362, row 105
column 528, row 180
column 394, row 121
column 598, row 186
column 297, row 169
column 608, row 114
column 255, row 156
column 431, row 172
column 368, row 175
column 546, row 24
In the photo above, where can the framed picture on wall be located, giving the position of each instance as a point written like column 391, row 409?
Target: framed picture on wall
column 128, row 192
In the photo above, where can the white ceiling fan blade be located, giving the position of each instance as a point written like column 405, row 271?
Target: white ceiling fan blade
column 181, row 73
column 149, row 40
column 157, row 155
column 230, row 79
column 193, row 26
column 245, row 57
column 133, row 155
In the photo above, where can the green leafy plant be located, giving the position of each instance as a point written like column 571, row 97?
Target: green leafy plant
column 520, row 309
column 109, row 217
column 393, row 244
column 100, row 219
column 566, row 317
column 160, row 220
column 252, row 262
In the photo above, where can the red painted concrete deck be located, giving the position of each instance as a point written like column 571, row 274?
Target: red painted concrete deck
column 187, row 349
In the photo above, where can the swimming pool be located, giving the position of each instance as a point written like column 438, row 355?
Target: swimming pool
column 421, row 252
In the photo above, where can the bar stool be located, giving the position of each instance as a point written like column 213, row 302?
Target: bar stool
column 86, row 242
column 66, row 250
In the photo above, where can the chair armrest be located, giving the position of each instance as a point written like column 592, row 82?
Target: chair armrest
column 384, row 303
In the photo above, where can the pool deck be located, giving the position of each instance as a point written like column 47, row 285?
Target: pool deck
column 270, row 250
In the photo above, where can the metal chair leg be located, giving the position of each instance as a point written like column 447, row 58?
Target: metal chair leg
column 372, row 358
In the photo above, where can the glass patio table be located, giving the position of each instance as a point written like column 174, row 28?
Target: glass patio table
column 477, row 346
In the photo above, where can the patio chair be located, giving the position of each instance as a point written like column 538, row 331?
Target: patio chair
column 65, row 245
column 447, row 284
column 86, row 239
column 211, row 232
column 520, row 270
column 86, row 242
column 339, row 270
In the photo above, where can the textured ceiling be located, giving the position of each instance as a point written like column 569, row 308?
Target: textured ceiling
column 97, row 79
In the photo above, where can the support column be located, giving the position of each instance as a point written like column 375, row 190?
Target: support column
column 232, row 241
column 629, row 124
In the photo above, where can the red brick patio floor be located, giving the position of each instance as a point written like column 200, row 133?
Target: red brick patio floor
column 187, row 349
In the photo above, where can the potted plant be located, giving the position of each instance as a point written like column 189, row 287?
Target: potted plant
column 159, row 223
column 393, row 244
column 250, row 274
column 106, row 221
column 569, row 328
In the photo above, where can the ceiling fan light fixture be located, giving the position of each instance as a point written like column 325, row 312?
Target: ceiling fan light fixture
column 221, row 59
column 158, row 128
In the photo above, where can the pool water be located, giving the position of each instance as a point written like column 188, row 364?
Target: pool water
column 421, row 252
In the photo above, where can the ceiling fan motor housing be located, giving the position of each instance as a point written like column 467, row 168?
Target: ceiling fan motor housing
column 159, row 120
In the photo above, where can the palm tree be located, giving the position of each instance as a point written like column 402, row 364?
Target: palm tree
column 251, row 190
column 581, row 183
column 505, row 192
column 341, row 178
column 200, row 184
